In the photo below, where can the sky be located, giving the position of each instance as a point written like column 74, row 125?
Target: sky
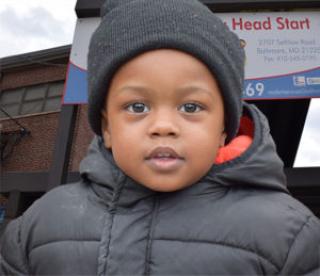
column 31, row 25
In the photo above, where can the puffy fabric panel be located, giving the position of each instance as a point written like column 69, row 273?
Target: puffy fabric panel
column 13, row 259
column 177, row 257
column 65, row 258
column 129, row 240
column 303, row 258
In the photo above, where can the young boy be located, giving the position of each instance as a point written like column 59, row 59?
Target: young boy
column 171, row 185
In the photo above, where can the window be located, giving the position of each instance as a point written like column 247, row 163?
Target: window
column 32, row 99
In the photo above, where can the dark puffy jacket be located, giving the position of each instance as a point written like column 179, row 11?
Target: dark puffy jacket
column 239, row 219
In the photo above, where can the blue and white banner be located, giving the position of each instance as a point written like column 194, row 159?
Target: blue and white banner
column 282, row 55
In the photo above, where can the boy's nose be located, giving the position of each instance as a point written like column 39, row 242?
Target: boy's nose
column 164, row 126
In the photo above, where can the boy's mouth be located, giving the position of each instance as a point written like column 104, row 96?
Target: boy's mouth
column 164, row 159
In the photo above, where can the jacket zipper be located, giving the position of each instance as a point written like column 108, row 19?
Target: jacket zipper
column 150, row 234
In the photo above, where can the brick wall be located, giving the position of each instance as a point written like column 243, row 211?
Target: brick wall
column 32, row 76
column 34, row 152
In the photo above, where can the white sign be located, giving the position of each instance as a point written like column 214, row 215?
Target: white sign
column 282, row 53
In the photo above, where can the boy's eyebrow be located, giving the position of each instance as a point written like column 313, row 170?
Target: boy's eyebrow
column 136, row 88
column 183, row 90
column 194, row 88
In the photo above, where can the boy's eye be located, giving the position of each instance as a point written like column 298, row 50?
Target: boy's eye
column 137, row 108
column 190, row 108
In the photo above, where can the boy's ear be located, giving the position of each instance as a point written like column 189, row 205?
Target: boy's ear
column 223, row 139
column 105, row 129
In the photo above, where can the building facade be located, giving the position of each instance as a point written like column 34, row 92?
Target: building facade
column 31, row 92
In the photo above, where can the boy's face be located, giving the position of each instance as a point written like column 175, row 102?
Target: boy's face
column 164, row 119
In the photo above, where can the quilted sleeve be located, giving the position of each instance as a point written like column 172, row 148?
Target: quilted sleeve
column 304, row 255
column 12, row 257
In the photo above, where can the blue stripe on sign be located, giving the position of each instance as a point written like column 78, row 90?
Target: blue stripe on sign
column 297, row 85
column 76, row 86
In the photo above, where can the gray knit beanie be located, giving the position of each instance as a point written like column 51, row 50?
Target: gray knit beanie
column 130, row 27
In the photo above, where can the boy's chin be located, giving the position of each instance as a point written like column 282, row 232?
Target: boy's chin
column 165, row 187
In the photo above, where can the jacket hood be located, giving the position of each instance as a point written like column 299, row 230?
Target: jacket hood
column 258, row 167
